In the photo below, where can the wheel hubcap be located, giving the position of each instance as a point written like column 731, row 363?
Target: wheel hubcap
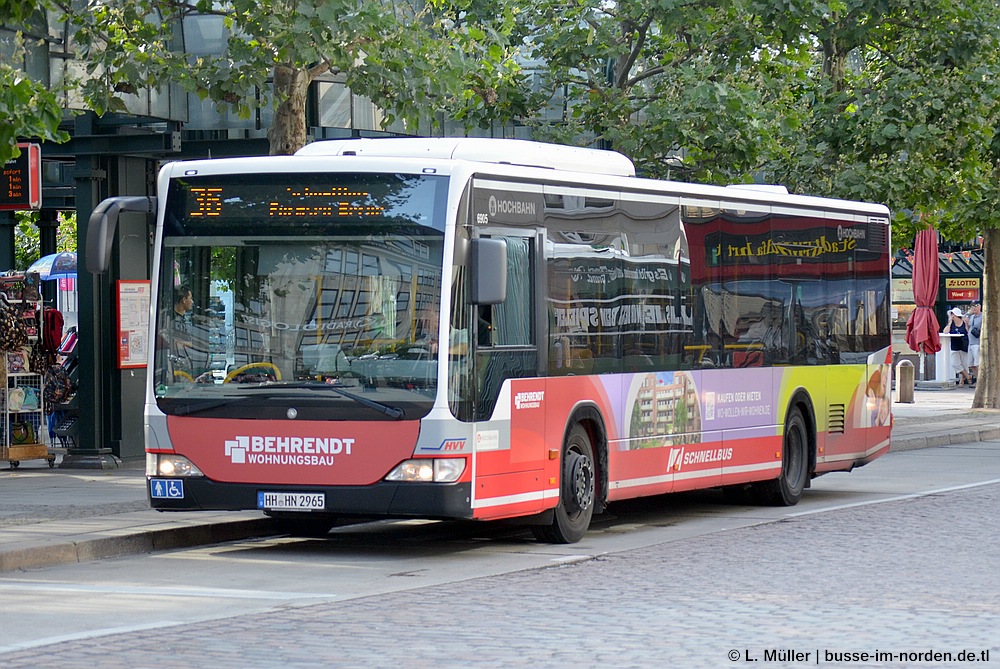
column 581, row 482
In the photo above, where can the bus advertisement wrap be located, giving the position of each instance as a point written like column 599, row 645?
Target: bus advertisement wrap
column 484, row 329
column 677, row 431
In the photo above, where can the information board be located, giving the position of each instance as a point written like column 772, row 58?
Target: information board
column 21, row 180
column 133, row 323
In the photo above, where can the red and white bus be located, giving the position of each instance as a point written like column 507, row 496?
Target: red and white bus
column 494, row 329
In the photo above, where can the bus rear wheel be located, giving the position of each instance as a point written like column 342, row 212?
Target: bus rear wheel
column 786, row 490
column 577, row 489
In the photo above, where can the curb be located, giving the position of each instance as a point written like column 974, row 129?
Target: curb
column 70, row 549
column 944, row 437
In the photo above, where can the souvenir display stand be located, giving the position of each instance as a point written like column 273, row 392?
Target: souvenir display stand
column 66, row 409
column 21, row 403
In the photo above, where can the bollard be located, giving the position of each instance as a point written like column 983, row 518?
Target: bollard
column 904, row 382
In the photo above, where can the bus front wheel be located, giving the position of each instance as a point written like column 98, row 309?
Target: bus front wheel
column 577, row 489
column 786, row 490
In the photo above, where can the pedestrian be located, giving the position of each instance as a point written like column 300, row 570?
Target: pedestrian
column 974, row 321
column 959, row 345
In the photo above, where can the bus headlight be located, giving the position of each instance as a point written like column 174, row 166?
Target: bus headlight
column 166, row 464
column 427, row 470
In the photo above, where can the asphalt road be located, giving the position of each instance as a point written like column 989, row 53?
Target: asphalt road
column 898, row 560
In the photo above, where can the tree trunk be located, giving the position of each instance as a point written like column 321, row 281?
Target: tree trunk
column 988, row 385
column 834, row 63
column 287, row 133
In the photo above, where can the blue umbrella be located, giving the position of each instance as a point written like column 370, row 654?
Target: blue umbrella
column 55, row 266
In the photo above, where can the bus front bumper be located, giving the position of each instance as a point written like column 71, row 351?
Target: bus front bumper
column 387, row 499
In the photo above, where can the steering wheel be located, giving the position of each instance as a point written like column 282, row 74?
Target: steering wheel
column 264, row 365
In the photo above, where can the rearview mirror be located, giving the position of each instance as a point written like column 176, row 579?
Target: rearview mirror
column 103, row 224
column 489, row 270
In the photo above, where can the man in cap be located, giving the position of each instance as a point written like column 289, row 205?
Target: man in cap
column 974, row 321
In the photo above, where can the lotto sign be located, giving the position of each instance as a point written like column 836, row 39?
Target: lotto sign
column 21, row 180
column 962, row 289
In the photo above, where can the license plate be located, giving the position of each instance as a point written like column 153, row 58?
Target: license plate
column 291, row 501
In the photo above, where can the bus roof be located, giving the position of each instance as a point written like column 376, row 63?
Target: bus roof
column 517, row 159
column 481, row 150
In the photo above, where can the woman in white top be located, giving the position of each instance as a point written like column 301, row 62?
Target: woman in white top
column 959, row 345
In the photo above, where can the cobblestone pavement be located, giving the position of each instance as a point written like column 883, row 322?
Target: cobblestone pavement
column 913, row 576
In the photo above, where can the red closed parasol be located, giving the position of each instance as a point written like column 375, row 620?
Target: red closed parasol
column 922, row 329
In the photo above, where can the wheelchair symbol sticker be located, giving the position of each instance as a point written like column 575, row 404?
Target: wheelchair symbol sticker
column 166, row 489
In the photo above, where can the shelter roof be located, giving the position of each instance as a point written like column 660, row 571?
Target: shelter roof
column 950, row 263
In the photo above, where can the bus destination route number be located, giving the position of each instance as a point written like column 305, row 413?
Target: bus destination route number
column 335, row 201
column 291, row 501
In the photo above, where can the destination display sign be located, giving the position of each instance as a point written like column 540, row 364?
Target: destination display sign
column 247, row 201
column 21, row 180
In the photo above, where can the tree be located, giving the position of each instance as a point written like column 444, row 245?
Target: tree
column 26, row 237
column 411, row 59
column 27, row 108
column 884, row 100
column 681, row 87
column 905, row 112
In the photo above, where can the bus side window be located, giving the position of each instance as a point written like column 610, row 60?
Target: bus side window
column 510, row 322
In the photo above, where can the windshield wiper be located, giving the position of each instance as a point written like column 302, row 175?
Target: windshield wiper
column 392, row 412
column 189, row 409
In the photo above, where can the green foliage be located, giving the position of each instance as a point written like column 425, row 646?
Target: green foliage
column 26, row 246
column 911, row 123
column 416, row 62
column 27, row 109
column 26, row 237
column 893, row 101
column 885, row 100
column 684, row 89
column 13, row 12
column 466, row 67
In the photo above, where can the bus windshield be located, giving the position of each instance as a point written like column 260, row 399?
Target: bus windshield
column 300, row 295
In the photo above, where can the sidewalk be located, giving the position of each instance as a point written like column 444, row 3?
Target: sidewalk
column 61, row 516
column 941, row 418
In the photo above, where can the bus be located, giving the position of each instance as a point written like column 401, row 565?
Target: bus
column 488, row 329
